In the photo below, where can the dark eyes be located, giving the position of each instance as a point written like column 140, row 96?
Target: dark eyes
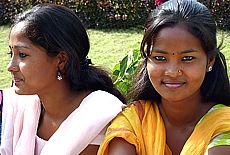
column 187, row 58
column 162, row 58
column 159, row 58
column 21, row 55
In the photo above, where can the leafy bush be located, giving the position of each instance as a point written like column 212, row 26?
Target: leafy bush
column 221, row 12
column 9, row 8
column 112, row 13
column 124, row 70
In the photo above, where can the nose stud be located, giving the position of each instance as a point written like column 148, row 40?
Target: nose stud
column 172, row 72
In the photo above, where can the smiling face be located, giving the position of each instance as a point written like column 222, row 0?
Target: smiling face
column 177, row 64
column 32, row 69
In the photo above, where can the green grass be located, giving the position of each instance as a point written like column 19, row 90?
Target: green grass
column 108, row 47
column 4, row 57
column 226, row 47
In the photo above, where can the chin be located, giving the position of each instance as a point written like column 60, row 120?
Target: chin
column 20, row 91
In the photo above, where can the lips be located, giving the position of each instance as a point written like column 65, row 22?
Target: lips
column 16, row 80
column 173, row 84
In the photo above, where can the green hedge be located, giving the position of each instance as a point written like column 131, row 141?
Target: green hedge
column 112, row 13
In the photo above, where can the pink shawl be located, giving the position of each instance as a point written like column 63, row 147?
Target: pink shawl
column 21, row 115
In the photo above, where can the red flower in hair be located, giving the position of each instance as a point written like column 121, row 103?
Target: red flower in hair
column 159, row 2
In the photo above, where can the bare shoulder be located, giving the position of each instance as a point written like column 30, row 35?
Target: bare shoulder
column 223, row 150
column 119, row 146
column 90, row 150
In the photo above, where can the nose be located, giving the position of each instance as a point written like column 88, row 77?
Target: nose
column 173, row 70
column 12, row 66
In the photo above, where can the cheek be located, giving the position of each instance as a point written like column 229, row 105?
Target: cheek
column 196, row 71
column 34, row 70
column 197, row 76
column 149, row 70
column 28, row 66
column 154, row 72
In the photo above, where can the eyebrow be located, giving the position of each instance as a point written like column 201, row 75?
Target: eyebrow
column 182, row 52
column 189, row 51
column 18, row 46
column 158, row 51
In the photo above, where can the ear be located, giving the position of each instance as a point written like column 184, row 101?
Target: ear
column 62, row 60
column 210, row 63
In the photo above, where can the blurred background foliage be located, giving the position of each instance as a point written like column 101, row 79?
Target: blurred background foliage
column 107, row 14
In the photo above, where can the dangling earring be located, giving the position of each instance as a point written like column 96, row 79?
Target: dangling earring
column 59, row 77
column 210, row 68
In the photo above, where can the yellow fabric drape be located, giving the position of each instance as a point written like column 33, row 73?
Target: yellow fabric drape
column 141, row 125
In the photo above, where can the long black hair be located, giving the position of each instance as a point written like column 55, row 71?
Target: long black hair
column 57, row 29
column 198, row 20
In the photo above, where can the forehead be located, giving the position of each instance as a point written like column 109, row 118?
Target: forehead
column 18, row 39
column 18, row 28
column 176, row 39
column 17, row 36
column 174, row 31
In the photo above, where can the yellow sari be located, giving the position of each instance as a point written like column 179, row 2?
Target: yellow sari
column 141, row 124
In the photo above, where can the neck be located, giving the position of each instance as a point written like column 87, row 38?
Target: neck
column 57, row 104
column 183, row 114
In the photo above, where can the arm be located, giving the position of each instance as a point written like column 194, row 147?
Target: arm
column 223, row 150
column 90, row 149
column 220, row 144
column 119, row 146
